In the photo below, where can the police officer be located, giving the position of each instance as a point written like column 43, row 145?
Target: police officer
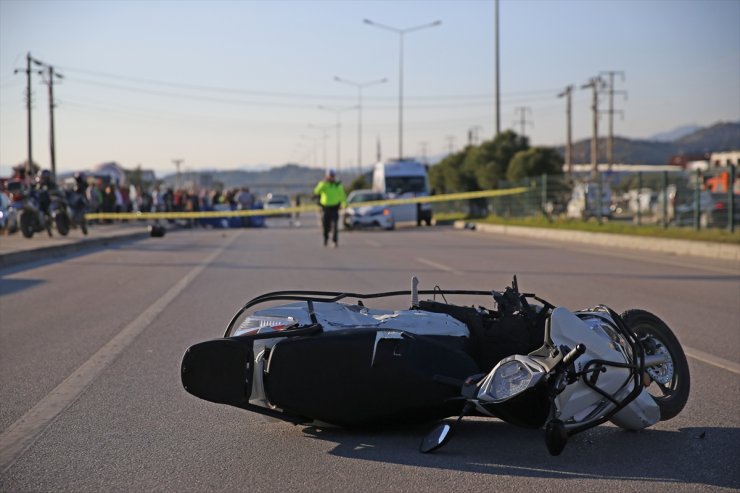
column 331, row 196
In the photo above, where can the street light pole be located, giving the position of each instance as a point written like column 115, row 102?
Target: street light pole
column 401, row 33
column 359, row 86
column 338, row 111
column 177, row 163
column 323, row 135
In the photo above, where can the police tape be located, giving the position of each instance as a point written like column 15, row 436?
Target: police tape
column 305, row 208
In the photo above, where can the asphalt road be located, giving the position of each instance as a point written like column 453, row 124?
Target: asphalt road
column 91, row 344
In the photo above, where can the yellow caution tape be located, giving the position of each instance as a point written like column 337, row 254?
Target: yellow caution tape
column 305, row 208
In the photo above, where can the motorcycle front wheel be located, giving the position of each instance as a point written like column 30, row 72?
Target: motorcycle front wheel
column 62, row 222
column 670, row 381
column 26, row 223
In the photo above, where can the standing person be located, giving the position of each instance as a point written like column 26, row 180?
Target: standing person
column 331, row 197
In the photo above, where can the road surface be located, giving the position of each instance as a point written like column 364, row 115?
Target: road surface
column 90, row 351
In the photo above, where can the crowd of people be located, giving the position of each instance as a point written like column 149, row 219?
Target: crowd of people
column 111, row 197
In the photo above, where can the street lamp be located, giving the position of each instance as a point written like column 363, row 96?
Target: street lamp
column 323, row 136
column 359, row 86
column 338, row 111
column 401, row 33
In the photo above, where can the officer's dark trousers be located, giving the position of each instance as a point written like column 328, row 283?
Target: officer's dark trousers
column 330, row 221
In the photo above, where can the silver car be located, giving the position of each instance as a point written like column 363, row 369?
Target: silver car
column 367, row 216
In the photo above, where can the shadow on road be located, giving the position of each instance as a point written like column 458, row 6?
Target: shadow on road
column 8, row 286
column 691, row 455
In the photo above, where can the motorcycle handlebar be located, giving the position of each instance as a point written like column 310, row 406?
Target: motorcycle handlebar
column 574, row 354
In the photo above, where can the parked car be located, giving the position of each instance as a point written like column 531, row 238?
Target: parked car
column 368, row 216
column 277, row 201
column 713, row 207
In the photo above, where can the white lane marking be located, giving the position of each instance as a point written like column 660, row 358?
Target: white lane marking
column 19, row 436
column 437, row 265
column 710, row 359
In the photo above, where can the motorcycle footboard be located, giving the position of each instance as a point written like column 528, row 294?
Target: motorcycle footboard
column 357, row 377
column 219, row 371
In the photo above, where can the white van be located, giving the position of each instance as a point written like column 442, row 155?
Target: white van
column 400, row 179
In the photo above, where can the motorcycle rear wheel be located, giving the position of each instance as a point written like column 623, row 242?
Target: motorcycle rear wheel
column 671, row 396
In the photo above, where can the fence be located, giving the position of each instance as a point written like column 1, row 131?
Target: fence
column 698, row 199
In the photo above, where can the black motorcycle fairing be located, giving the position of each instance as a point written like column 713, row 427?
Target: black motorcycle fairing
column 219, row 371
column 334, row 378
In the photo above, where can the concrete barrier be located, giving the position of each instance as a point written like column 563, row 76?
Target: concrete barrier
column 725, row 251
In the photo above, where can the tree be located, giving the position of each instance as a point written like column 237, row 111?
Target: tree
column 495, row 155
column 359, row 183
column 535, row 162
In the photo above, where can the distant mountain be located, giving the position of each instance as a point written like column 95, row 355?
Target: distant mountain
column 288, row 178
column 717, row 138
column 675, row 134
column 723, row 136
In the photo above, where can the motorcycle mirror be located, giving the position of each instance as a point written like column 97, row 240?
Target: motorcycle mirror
column 436, row 438
column 555, row 437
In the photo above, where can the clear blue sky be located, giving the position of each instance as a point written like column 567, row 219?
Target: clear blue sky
column 238, row 84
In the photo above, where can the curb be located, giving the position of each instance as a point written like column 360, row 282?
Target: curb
column 33, row 255
column 672, row 246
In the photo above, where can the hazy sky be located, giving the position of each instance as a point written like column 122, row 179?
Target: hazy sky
column 238, row 83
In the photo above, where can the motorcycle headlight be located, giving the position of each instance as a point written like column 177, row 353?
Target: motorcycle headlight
column 509, row 378
column 257, row 325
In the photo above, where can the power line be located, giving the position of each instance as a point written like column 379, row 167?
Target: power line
column 221, row 89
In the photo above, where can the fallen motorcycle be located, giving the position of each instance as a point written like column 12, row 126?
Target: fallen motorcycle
column 320, row 360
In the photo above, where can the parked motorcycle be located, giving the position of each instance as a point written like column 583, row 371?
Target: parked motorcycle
column 77, row 209
column 319, row 360
column 31, row 218
column 59, row 212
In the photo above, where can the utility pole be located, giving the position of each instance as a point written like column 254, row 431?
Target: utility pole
column 52, row 148
column 177, row 163
column 498, row 88
column 611, row 111
column 28, row 111
column 523, row 122
column 568, row 130
column 595, row 83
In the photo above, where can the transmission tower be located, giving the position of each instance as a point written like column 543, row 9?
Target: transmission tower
column 521, row 113
column 611, row 111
